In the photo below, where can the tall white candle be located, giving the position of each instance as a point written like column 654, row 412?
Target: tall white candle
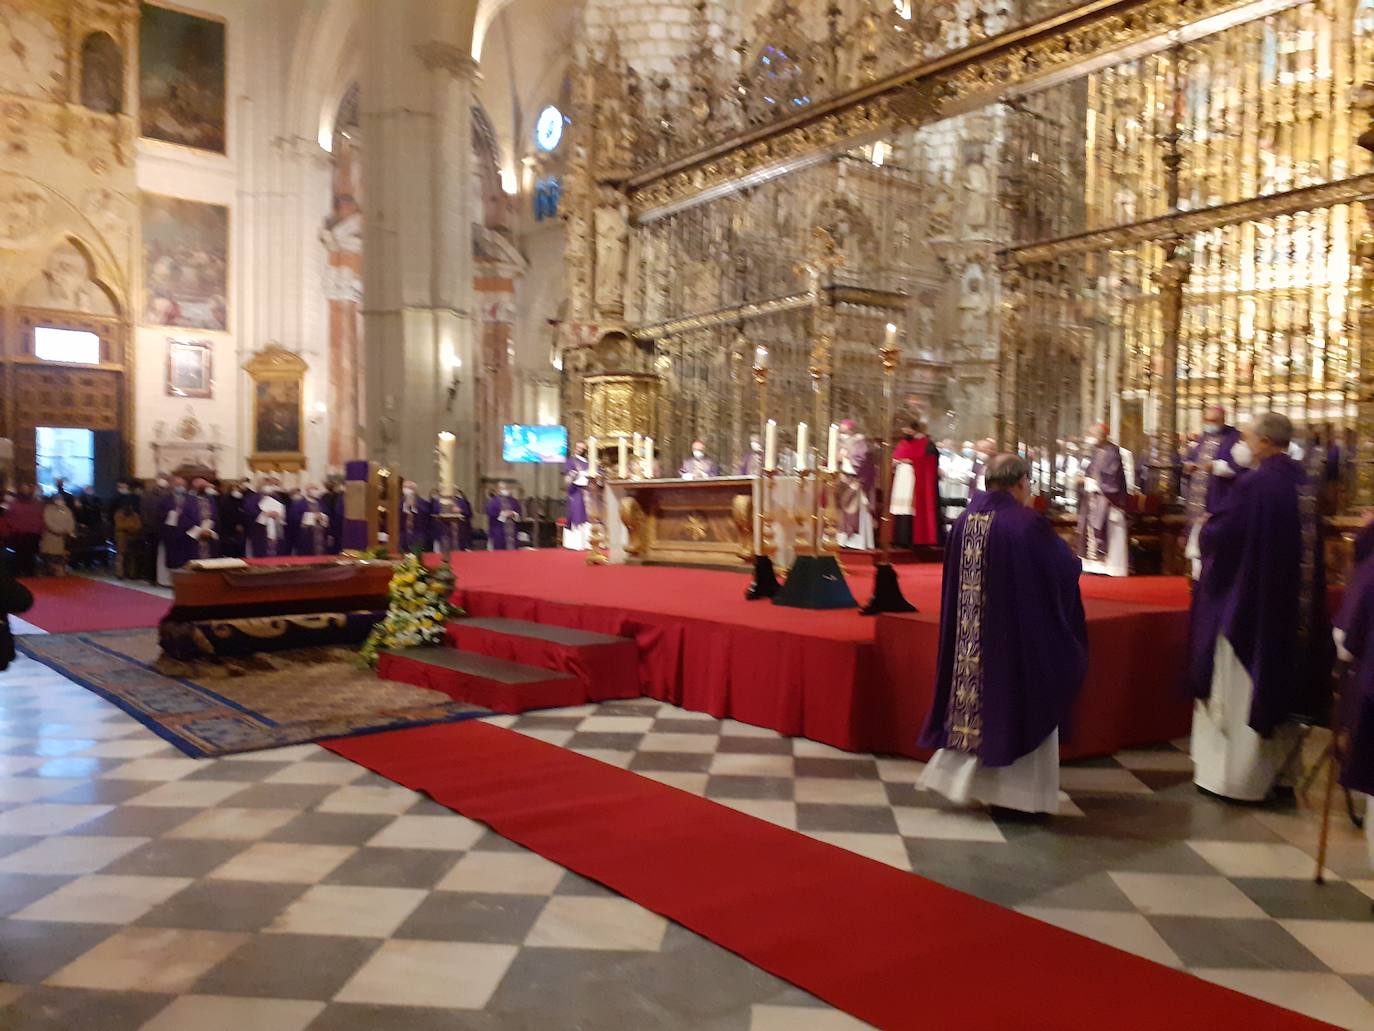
column 891, row 333
column 648, row 458
column 638, row 444
column 592, row 460
column 446, row 443
column 803, row 446
column 623, row 468
column 760, row 357
column 832, row 454
column 770, row 447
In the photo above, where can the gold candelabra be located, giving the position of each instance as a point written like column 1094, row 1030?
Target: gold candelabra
column 599, row 549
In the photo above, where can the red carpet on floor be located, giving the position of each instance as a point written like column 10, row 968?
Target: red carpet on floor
column 891, row 948
column 70, row 604
column 857, row 683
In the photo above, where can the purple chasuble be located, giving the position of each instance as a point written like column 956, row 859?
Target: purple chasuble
column 1263, row 585
column 178, row 548
column 1208, row 492
column 315, row 538
column 752, row 465
column 200, row 511
column 451, row 535
column 1108, row 470
column 699, row 468
column 504, row 533
column 414, row 523
column 575, row 468
column 1357, row 698
column 1013, row 639
column 855, row 487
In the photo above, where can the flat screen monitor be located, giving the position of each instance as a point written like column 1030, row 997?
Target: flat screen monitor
column 534, row 444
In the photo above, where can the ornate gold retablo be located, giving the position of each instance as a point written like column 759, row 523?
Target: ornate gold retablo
column 621, row 404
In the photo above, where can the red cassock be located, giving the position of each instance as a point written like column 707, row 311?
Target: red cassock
column 917, row 493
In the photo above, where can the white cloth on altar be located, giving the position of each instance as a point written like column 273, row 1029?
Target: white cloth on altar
column 1117, row 562
column 903, row 489
column 1030, row 785
column 1230, row 759
column 578, row 538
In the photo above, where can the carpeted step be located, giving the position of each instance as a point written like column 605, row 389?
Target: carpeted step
column 495, row 684
column 855, row 561
column 606, row 666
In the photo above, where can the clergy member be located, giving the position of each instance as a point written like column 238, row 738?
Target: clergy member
column 752, row 463
column 1103, row 536
column 915, row 506
column 699, row 465
column 858, row 478
column 450, row 534
column 1214, row 463
column 1354, row 635
column 308, row 523
column 174, row 548
column 265, row 517
column 503, row 520
column 982, row 454
column 1261, row 648
column 1013, row 651
column 200, row 520
column 577, row 530
column 231, row 526
column 416, row 514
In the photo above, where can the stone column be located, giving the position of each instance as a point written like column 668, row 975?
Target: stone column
column 419, row 322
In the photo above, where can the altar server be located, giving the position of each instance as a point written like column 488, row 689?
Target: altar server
column 1103, row 535
column 858, row 479
column 1354, row 635
column 577, row 530
column 308, row 524
column 503, row 520
column 1013, row 651
column 174, row 548
column 1215, row 462
column 699, row 465
column 915, row 506
column 752, row 463
column 415, row 521
column 1261, row 647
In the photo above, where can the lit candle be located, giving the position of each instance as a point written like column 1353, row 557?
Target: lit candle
column 832, row 455
column 592, row 461
column 446, row 442
column 623, row 468
column 891, row 333
column 760, row 357
column 803, row 446
column 770, row 447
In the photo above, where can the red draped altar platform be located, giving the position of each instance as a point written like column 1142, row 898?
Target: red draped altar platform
column 857, row 683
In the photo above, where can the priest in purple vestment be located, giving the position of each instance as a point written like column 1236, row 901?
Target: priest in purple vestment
column 1215, row 463
column 450, row 534
column 200, row 520
column 309, row 526
column 264, row 517
column 1013, row 651
column 577, row 530
column 174, row 548
column 415, row 519
column 752, row 463
column 858, row 484
column 1260, row 641
column 1354, row 634
column 699, row 465
column 503, row 520
column 1103, row 535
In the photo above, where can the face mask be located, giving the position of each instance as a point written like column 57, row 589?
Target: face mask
column 409, row 492
column 123, row 489
column 755, row 446
column 1211, row 427
column 162, row 484
column 505, row 492
column 210, row 492
column 698, row 453
column 179, row 490
column 1092, row 442
column 1242, row 455
column 236, row 493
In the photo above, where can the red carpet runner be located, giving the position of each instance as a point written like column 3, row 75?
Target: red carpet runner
column 891, row 948
column 70, row 604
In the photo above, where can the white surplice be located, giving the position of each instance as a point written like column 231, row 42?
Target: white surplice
column 1230, row 759
column 1030, row 785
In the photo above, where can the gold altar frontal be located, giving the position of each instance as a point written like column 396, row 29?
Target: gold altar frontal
column 687, row 522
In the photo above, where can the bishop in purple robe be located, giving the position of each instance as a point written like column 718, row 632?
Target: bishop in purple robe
column 576, row 530
column 1260, row 642
column 699, row 465
column 1214, row 465
column 414, row 519
column 503, row 521
column 1354, row 635
column 1103, row 536
column 858, row 485
column 1013, row 651
column 309, row 525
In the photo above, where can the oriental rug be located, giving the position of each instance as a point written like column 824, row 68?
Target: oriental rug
column 244, row 705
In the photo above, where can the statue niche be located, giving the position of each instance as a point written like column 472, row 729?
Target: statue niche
column 102, row 74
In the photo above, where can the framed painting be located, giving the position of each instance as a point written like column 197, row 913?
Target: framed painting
column 185, row 263
column 189, row 368
column 181, row 88
column 278, row 410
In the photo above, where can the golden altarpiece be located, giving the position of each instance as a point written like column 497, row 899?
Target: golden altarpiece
column 1117, row 210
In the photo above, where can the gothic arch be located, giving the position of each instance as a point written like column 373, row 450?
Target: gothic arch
column 69, row 280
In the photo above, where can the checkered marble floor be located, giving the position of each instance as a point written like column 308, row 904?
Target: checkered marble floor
column 294, row 891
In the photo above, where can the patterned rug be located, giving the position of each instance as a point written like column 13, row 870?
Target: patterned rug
column 268, row 701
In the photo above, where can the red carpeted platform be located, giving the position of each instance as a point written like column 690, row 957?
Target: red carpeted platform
column 506, row 687
column 891, row 948
column 853, row 682
column 605, row 666
column 70, row 604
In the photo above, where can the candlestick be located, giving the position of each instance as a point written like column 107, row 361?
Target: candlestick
column 770, row 447
column 832, row 457
column 623, row 469
column 803, row 447
column 445, row 454
column 593, row 461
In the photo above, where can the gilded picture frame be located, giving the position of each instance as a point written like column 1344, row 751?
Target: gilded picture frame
column 190, row 368
column 278, row 424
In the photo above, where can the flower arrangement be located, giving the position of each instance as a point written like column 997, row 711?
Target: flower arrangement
column 418, row 609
